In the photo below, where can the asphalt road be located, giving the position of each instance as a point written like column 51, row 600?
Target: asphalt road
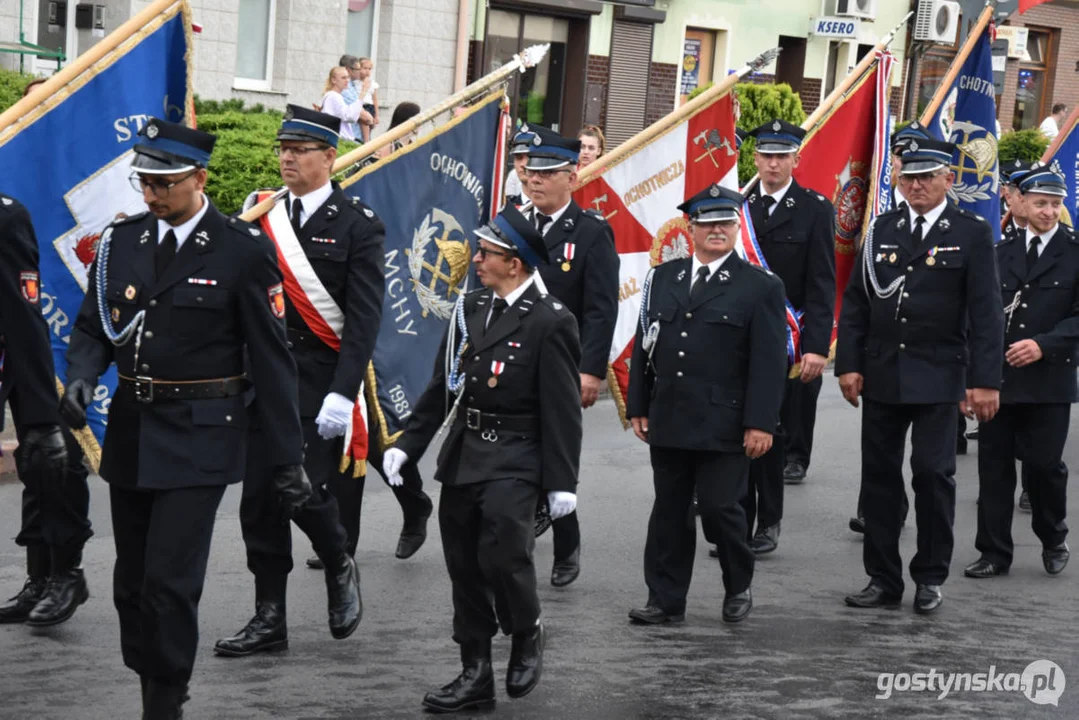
column 801, row 653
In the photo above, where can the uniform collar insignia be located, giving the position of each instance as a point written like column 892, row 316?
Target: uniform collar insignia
column 901, row 224
column 144, row 238
column 753, row 198
column 331, row 208
column 201, row 238
column 724, row 275
column 945, row 223
column 568, row 223
column 681, row 274
column 789, row 202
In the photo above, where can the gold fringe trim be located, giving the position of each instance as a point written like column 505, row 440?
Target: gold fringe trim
column 616, row 393
column 85, row 437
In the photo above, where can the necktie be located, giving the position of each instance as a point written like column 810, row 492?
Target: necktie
column 165, row 252
column 541, row 221
column 768, row 201
column 918, row 231
column 1032, row 253
column 297, row 207
column 497, row 308
column 697, row 290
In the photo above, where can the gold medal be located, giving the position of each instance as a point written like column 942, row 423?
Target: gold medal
column 116, row 314
column 565, row 266
column 930, row 261
column 892, row 258
column 492, row 382
column 129, row 292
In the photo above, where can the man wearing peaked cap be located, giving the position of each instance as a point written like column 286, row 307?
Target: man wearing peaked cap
column 1039, row 274
column 704, row 419
column 900, row 139
column 583, row 274
column 1012, row 174
column 516, row 188
column 331, row 245
column 920, row 330
column 795, row 229
column 513, row 433
column 177, row 297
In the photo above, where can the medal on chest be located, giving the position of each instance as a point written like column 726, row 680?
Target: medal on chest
column 568, row 253
column 497, row 367
column 932, row 259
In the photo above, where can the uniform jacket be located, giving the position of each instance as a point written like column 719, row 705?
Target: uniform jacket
column 798, row 242
column 193, row 331
column 719, row 363
column 343, row 239
column 919, row 353
column 590, row 287
column 1047, row 312
column 27, row 379
column 1012, row 231
column 536, row 338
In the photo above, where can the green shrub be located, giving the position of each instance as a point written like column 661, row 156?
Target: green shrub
column 12, row 85
column 1028, row 145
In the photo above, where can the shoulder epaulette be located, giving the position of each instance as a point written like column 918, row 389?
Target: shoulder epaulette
column 595, row 215
column 122, row 219
column 356, row 204
column 7, row 203
column 244, row 228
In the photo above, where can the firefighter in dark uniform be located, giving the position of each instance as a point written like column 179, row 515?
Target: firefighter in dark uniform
column 514, row 433
column 706, row 385
column 342, row 240
column 175, row 296
column 923, row 292
column 795, row 228
column 519, row 147
column 1039, row 274
column 583, row 274
column 55, row 497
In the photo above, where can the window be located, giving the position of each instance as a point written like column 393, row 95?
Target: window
column 1032, row 102
column 254, row 44
column 360, row 28
column 934, row 67
column 535, row 95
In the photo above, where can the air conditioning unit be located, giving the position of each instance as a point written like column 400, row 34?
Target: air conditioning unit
column 856, row 8
column 937, row 21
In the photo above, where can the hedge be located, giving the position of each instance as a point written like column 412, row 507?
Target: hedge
column 758, row 104
column 1028, row 145
column 12, row 85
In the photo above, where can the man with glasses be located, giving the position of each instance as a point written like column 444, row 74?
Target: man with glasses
column 177, row 298
column 351, row 93
column 514, row 433
column 583, row 274
column 921, row 330
column 330, row 249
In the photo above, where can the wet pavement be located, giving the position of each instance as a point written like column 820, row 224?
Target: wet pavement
column 801, row 653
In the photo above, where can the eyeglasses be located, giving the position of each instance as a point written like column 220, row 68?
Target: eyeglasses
column 545, row 174
column 158, row 189
column 484, row 252
column 922, row 179
column 283, row 151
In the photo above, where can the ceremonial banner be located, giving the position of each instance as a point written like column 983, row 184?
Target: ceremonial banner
column 67, row 157
column 846, row 158
column 1065, row 160
column 639, row 197
column 431, row 195
column 967, row 117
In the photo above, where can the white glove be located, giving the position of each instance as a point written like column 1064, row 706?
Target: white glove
column 561, row 503
column 334, row 416
column 392, row 462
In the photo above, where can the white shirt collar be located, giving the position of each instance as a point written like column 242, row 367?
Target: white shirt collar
column 516, row 294
column 781, row 192
column 311, row 202
column 899, row 196
column 182, row 232
column 1046, row 237
column 712, row 266
column 930, row 217
column 554, row 216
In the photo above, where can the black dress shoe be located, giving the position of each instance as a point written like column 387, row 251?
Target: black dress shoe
column 1054, row 559
column 983, row 568
column 18, row 608
column 343, row 597
column 766, row 540
column 315, row 563
column 526, row 662
column 794, row 473
column 566, row 571
column 972, row 434
column 64, row 592
column 652, row 615
column 266, row 632
column 413, row 536
column 473, row 689
column 927, row 599
column 874, row 596
column 164, row 702
column 857, row 524
column 736, row 607
column 714, row 551
column 1024, row 501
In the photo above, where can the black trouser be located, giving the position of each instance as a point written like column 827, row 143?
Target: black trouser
column 488, row 537
column 56, row 516
column 162, row 545
column 932, row 464
column 266, row 532
column 1034, row 434
column 720, row 482
column 800, row 419
column 763, row 501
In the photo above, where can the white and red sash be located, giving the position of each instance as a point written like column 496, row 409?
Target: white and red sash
column 320, row 313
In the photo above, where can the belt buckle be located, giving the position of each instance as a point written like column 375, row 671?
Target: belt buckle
column 144, row 389
column 472, row 419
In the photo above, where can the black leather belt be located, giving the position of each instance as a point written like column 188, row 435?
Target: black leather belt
column 148, row 390
column 306, row 339
column 487, row 422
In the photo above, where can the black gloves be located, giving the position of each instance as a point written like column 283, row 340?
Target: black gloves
column 42, row 452
column 292, row 487
column 77, row 397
